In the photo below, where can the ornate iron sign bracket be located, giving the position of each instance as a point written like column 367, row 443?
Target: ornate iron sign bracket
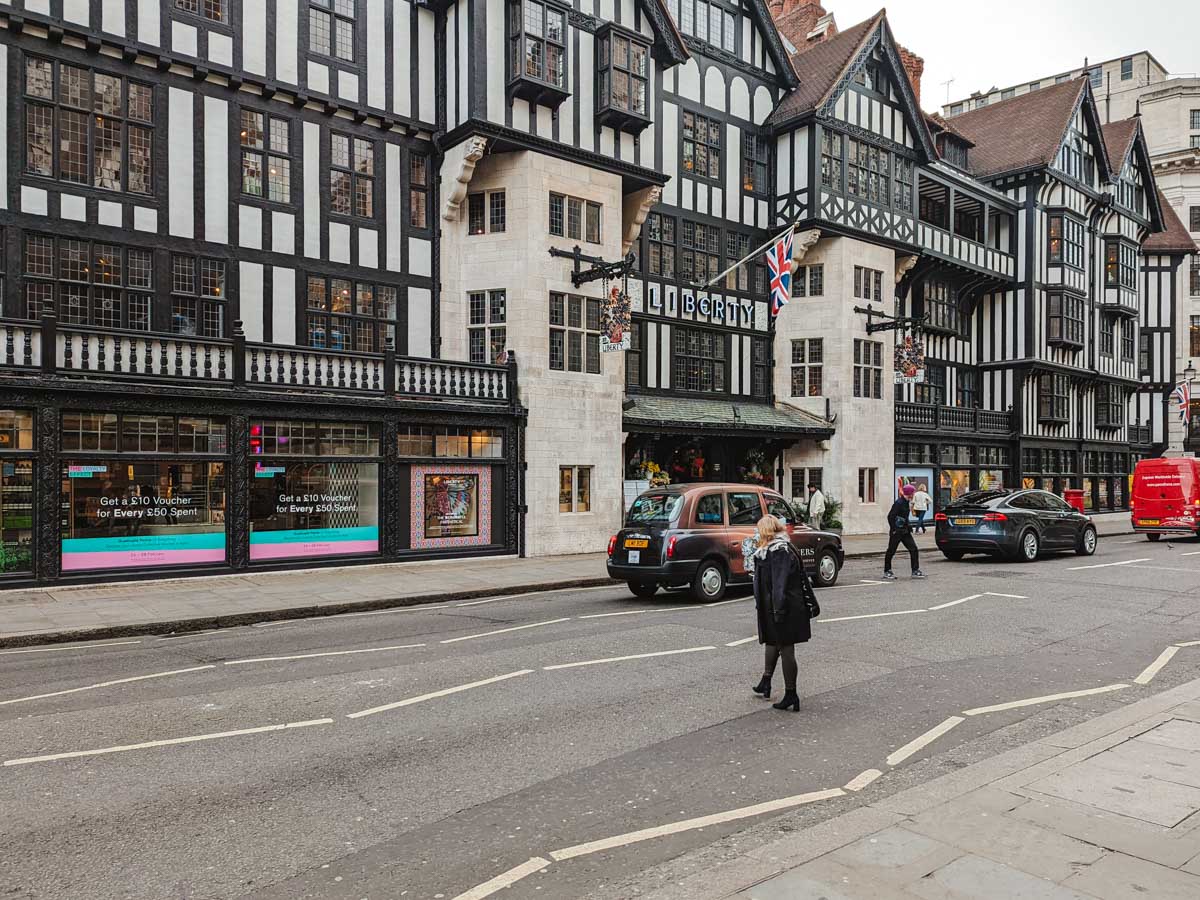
column 890, row 322
column 600, row 270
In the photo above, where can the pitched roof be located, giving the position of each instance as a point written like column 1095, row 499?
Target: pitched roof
column 937, row 122
column 1118, row 138
column 1174, row 237
column 1023, row 132
column 820, row 67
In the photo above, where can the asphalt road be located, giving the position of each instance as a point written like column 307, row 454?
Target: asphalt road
column 498, row 756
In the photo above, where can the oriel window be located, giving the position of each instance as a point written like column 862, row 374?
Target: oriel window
column 87, row 127
column 622, row 64
column 537, row 42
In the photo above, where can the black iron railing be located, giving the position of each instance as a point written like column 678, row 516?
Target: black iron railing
column 930, row 417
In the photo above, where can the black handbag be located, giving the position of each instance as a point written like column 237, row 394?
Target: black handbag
column 810, row 595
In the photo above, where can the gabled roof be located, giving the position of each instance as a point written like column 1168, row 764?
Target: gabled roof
column 937, row 123
column 820, row 67
column 1174, row 237
column 1118, row 138
column 774, row 44
column 1026, row 132
column 666, row 32
column 1124, row 139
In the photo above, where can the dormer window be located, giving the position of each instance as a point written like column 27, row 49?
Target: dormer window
column 954, row 151
column 622, row 80
column 537, row 47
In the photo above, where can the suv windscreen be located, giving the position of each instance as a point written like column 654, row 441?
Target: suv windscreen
column 654, row 509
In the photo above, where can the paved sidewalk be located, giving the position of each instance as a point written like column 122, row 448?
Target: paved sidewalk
column 62, row 613
column 1108, row 809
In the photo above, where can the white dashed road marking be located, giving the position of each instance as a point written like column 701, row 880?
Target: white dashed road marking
column 471, row 637
column 1155, row 667
column 923, row 740
column 899, row 612
column 742, row 641
column 433, row 696
column 103, row 684
column 1127, row 562
column 612, row 659
column 954, row 602
column 72, row 647
column 505, row 879
column 863, row 779
column 167, row 743
column 1049, row 698
column 262, row 659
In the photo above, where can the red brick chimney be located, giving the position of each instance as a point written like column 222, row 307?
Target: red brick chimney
column 797, row 19
column 915, row 67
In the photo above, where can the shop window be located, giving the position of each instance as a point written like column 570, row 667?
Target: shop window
column 197, row 296
column 574, row 334
column 867, row 479
column 89, row 431
column 16, row 430
column 291, row 437
column 1064, row 320
column 99, row 284
column 351, row 176
column 201, row 435
column 700, row 145
column 341, row 314
column 313, row 508
column 868, row 369
column 1065, row 241
column 1053, row 397
column 266, row 163
column 16, row 512
column 808, row 359
column 449, row 442
column 213, row 10
column 486, row 212
column 487, row 334
column 148, row 434
column 331, row 28
column 142, row 514
column 574, row 489
column 87, row 127
column 418, row 190
column 700, row 360
column 868, row 284
column 700, row 253
column 660, row 245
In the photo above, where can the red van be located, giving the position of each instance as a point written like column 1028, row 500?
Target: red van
column 1166, row 497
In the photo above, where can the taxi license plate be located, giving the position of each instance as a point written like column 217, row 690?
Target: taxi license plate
column 1149, row 521
column 640, row 545
column 964, row 521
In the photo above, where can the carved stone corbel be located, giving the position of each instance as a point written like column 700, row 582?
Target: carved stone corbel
column 471, row 151
column 904, row 265
column 636, row 208
column 801, row 244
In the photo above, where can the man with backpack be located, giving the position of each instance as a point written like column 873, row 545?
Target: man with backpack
column 900, row 532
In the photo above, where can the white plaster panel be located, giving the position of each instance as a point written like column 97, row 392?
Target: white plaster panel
column 181, row 190
column 283, row 233
column 339, row 242
column 664, row 372
column 606, row 10
column 545, row 123
column 733, row 168
column 606, row 142
column 420, row 322
column 368, row 248
column 739, row 98
column 452, row 113
column 216, row 170
column 520, row 114
column 627, row 146
column 463, row 43
column 112, row 17
column 348, row 86
column 250, row 227
column 392, row 207
column 287, row 56
column 318, row 77
column 426, row 65
column 419, row 257
column 702, row 199
column 652, row 351
column 250, row 299
column 220, row 48
column 670, row 151
column 149, row 27
column 183, row 38
column 714, row 89
column 497, row 16
column 312, row 190
column 376, row 55
column 566, row 123
column 688, row 79
column 38, row 6
column 254, row 38
column 283, row 305
column 586, row 87
column 72, row 206
column 401, row 42
column 77, row 11
column 762, row 104
column 145, row 219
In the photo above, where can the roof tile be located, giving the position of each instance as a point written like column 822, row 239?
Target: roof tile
column 1174, row 237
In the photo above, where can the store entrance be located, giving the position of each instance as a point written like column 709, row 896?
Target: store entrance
column 679, row 459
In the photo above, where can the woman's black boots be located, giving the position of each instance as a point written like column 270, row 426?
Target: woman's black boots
column 791, row 700
column 764, row 686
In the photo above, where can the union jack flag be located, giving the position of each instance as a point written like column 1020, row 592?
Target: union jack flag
column 779, row 262
column 1183, row 394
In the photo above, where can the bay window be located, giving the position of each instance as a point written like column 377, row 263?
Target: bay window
column 622, row 79
column 1064, row 320
column 1065, row 241
column 537, row 49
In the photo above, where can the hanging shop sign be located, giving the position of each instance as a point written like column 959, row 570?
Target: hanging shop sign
column 615, row 322
column 909, row 361
column 143, row 514
column 301, row 510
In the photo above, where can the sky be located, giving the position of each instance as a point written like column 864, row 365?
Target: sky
column 985, row 43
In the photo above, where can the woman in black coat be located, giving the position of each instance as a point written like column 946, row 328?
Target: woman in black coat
column 781, row 589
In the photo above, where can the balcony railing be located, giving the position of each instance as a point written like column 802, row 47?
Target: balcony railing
column 929, row 417
column 1140, row 435
column 237, row 363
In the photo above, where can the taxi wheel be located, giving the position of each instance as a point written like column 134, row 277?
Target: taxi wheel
column 710, row 582
column 1153, row 537
column 643, row 588
column 826, row 570
column 953, row 555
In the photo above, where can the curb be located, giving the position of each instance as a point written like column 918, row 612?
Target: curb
column 178, row 626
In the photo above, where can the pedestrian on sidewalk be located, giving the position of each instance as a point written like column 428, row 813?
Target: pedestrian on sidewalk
column 816, row 507
column 900, row 532
column 781, row 600
column 921, row 502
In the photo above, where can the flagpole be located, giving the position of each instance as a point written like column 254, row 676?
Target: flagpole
column 753, row 253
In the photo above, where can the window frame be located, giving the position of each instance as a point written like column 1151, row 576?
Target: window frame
column 55, row 286
column 810, row 371
column 1108, row 336
column 266, row 154
column 573, row 333
column 519, row 36
column 868, row 486
column 712, row 367
column 1054, row 398
column 756, row 164
column 487, row 212
column 337, row 18
column 381, row 326
column 418, row 190
column 1127, row 68
column 657, row 227
column 1110, row 406
column 868, row 369
column 713, row 152
column 1120, row 264
column 1068, row 311
column 355, row 177
column 608, row 67
column 202, row 10
column 487, row 332
column 1070, row 240
column 575, row 485
column 206, row 304
column 575, row 211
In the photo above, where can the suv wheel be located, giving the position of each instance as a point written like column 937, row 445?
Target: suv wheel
column 826, row 572
column 710, row 582
column 1087, row 542
column 643, row 588
column 1029, row 546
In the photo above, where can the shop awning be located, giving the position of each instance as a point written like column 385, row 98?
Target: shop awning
column 731, row 418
